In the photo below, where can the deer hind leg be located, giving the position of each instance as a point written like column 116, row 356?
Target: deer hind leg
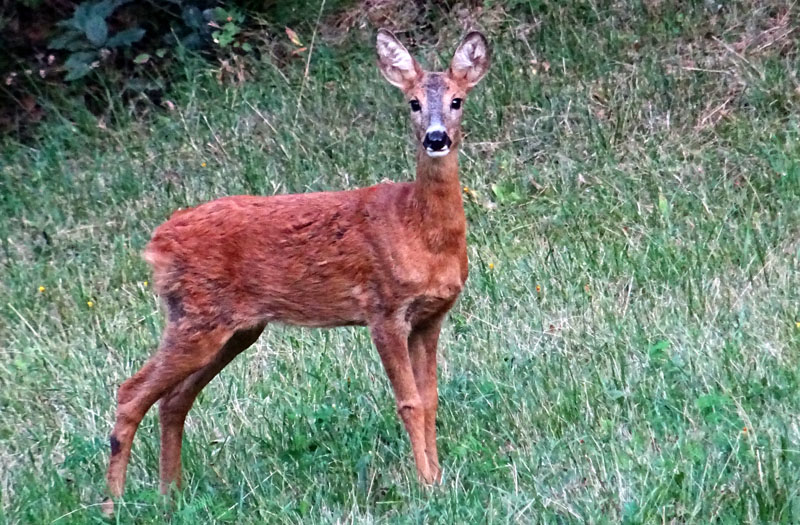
column 391, row 340
column 176, row 403
column 182, row 352
column 422, row 350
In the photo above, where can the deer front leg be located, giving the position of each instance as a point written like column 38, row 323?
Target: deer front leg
column 391, row 339
column 422, row 349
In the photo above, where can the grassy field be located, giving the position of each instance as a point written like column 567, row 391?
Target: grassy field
column 626, row 350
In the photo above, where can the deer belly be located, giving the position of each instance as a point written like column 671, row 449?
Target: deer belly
column 324, row 308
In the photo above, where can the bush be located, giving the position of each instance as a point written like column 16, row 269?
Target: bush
column 86, row 36
column 81, row 50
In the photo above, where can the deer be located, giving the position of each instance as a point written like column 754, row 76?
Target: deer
column 391, row 257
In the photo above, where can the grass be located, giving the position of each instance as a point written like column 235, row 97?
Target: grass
column 626, row 349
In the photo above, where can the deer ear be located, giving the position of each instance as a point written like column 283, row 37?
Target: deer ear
column 395, row 62
column 471, row 60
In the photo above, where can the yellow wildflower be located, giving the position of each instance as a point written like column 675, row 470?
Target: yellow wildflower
column 203, row 164
column 491, row 266
column 42, row 289
column 144, row 284
column 90, row 304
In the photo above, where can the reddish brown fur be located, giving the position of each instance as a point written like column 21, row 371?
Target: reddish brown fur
column 391, row 256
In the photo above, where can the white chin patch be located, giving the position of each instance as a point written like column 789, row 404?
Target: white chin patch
column 440, row 153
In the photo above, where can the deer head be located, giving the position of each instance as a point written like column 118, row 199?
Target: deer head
column 435, row 99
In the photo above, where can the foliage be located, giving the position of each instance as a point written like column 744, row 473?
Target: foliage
column 226, row 35
column 86, row 35
column 130, row 47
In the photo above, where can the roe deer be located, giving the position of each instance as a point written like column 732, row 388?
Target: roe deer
column 392, row 257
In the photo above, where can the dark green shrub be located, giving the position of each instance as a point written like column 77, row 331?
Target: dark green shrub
column 86, row 36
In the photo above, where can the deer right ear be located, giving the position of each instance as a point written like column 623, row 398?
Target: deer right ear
column 395, row 62
column 471, row 60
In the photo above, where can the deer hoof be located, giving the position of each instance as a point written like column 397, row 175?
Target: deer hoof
column 107, row 507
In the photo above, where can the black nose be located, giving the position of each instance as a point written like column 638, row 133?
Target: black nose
column 436, row 140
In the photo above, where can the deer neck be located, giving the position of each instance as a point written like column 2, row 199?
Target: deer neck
column 437, row 199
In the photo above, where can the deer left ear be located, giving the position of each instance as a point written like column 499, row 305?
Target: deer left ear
column 471, row 60
column 395, row 62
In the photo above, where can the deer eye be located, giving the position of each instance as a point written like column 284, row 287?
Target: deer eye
column 415, row 105
column 456, row 103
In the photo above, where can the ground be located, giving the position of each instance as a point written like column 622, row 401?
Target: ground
column 626, row 348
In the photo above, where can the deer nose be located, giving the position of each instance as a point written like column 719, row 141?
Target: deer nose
column 436, row 140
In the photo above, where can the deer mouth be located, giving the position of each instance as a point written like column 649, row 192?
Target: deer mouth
column 437, row 153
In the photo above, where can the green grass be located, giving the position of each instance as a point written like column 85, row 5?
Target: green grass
column 626, row 349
